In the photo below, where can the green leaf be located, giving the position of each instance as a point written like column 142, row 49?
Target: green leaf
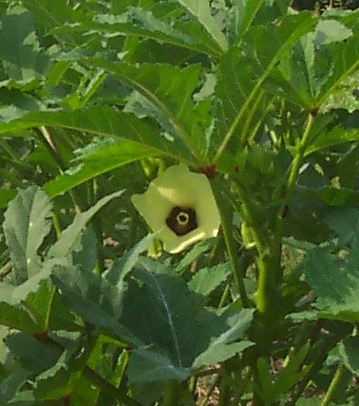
column 243, row 13
column 49, row 15
column 206, row 280
column 100, row 161
column 23, row 60
column 5, row 196
column 336, row 136
column 70, row 236
column 11, row 385
column 94, row 299
column 223, row 346
column 16, row 318
column 58, row 380
column 160, row 310
column 26, row 225
column 242, row 73
column 148, row 366
column 291, row 372
column 349, row 352
column 335, row 283
column 122, row 267
column 33, row 355
column 168, row 91
column 220, row 352
column 328, row 31
column 14, row 295
column 104, row 122
column 201, row 11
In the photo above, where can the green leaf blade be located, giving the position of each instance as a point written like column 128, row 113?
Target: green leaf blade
column 26, row 225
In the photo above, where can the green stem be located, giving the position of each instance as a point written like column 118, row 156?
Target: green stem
column 231, row 245
column 108, row 388
column 334, row 384
column 297, row 162
column 171, row 394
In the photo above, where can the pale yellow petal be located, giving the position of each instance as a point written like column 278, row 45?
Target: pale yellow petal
column 177, row 186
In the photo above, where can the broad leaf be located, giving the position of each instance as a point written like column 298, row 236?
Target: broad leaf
column 172, row 320
column 148, row 366
column 26, row 225
column 242, row 72
column 168, row 91
column 96, row 300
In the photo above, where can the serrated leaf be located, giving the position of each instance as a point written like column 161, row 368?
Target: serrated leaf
column 100, row 161
column 168, row 90
column 242, row 15
column 335, row 283
column 26, row 225
column 201, row 11
column 291, row 372
column 206, row 280
column 104, row 122
column 70, row 236
column 21, row 55
column 349, row 352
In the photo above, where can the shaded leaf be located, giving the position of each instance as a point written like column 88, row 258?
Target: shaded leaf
column 147, row 366
column 103, row 122
column 94, row 299
column 206, row 280
column 164, row 314
column 70, row 236
column 349, row 352
column 335, row 283
column 33, row 355
column 26, row 225
column 11, row 385
column 242, row 72
column 21, row 55
column 220, row 352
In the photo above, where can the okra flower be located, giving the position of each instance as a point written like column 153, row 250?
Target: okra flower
column 180, row 208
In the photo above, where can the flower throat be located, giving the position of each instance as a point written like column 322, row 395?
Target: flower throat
column 182, row 220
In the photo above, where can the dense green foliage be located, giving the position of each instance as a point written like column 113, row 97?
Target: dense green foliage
column 96, row 99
